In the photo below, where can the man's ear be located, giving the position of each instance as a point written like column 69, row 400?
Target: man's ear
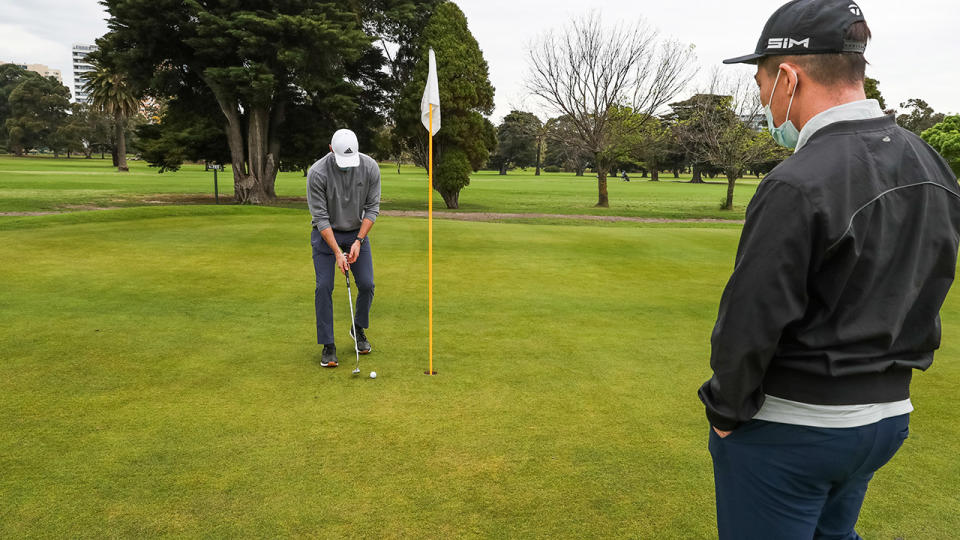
column 330, row 146
column 789, row 76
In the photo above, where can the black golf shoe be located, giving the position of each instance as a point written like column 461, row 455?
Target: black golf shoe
column 362, row 343
column 329, row 358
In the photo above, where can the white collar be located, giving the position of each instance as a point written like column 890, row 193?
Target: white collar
column 855, row 110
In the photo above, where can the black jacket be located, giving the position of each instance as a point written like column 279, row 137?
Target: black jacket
column 847, row 254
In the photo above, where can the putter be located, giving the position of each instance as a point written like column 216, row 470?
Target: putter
column 353, row 321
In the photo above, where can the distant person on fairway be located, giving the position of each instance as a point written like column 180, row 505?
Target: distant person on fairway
column 846, row 256
column 343, row 193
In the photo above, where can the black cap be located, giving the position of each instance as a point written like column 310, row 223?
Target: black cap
column 807, row 27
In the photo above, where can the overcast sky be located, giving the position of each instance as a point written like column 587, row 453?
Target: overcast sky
column 913, row 53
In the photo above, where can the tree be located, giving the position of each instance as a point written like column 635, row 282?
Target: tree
column 626, row 134
column 10, row 76
column 398, row 25
column 920, row 118
column 766, row 163
column 101, row 131
column 255, row 57
column 564, row 146
column 715, row 132
column 517, row 139
column 588, row 70
column 465, row 96
column 945, row 138
column 656, row 143
column 37, row 107
column 357, row 102
column 541, row 141
column 76, row 133
column 185, row 133
column 872, row 89
column 112, row 94
column 685, row 116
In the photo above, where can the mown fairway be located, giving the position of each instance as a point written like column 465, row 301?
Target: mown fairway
column 159, row 377
column 43, row 184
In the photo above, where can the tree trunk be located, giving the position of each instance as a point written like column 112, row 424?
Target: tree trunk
column 580, row 171
column 451, row 199
column 121, row 146
column 731, row 181
column 654, row 175
column 676, row 173
column 643, row 173
column 539, row 145
column 503, row 169
column 603, row 200
column 258, row 158
column 398, row 166
column 697, row 175
column 254, row 165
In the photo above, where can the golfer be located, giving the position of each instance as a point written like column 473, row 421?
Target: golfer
column 343, row 193
column 847, row 254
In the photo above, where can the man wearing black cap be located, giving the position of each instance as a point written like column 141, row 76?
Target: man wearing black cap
column 343, row 193
column 846, row 256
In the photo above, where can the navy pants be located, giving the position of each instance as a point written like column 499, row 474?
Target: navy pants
column 324, row 264
column 798, row 483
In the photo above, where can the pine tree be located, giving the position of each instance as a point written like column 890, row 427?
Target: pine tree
column 256, row 57
column 466, row 137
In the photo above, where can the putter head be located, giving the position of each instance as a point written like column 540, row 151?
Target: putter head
column 356, row 371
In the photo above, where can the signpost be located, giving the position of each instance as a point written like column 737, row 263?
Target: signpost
column 215, row 167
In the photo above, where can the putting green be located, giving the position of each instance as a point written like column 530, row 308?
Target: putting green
column 158, row 377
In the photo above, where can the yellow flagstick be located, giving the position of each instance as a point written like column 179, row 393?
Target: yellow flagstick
column 430, row 106
column 430, row 239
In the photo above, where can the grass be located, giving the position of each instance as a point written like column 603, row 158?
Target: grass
column 44, row 184
column 158, row 378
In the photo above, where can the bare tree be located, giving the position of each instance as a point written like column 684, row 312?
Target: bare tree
column 586, row 70
column 718, row 128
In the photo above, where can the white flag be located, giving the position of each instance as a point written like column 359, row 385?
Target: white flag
column 431, row 96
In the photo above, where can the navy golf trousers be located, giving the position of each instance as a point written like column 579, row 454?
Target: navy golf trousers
column 324, row 264
column 795, row 482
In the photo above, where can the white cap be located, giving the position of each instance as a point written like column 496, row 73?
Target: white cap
column 345, row 148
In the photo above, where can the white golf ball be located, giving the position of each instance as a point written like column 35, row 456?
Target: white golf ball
column 373, row 374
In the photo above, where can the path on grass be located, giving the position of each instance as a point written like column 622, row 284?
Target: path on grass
column 493, row 216
column 461, row 216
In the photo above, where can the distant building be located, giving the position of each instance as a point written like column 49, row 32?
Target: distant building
column 46, row 71
column 81, row 67
column 756, row 122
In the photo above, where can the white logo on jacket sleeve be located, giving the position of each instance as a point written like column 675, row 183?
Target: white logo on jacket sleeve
column 787, row 43
column 855, row 9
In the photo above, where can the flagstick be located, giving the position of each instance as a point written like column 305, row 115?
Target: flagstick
column 430, row 239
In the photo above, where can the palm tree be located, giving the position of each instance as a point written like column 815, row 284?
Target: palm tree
column 113, row 95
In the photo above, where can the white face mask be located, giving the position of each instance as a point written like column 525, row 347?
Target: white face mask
column 787, row 134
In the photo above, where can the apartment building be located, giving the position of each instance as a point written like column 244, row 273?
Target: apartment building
column 80, row 67
column 42, row 69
